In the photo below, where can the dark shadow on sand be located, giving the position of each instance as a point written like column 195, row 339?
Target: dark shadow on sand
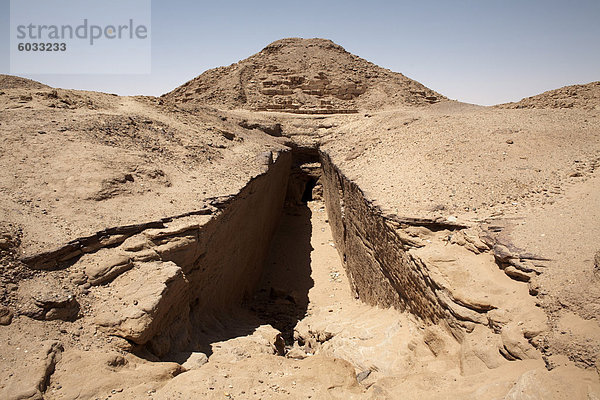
column 282, row 297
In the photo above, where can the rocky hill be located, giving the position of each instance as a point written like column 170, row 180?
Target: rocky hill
column 303, row 76
column 16, row 82
column 585, row 97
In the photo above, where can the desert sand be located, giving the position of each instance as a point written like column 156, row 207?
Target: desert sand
column 302, row 224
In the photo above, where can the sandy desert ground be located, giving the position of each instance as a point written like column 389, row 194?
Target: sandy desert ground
column 302, row 224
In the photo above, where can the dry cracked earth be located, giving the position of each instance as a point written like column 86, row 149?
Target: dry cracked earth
column 302, row 224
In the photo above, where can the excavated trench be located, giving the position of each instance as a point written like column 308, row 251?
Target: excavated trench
column 389, row 261
column 277, row 269
column 282, row 297
column 276, row 288
column 176, row 285
column 272, row 285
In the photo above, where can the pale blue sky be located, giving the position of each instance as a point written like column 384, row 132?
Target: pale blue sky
column 477, row 51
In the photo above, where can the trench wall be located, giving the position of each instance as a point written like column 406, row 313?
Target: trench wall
column 159, row 287
column 237, row 241
column 226, row 263
column 381, row 272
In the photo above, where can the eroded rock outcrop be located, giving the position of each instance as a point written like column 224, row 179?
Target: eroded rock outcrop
column 142, row 303
column 114, row 375
column 30, row 381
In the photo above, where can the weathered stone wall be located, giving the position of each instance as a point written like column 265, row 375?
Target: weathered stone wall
column 380, row 270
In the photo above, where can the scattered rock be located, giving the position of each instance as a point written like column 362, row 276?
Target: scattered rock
column 296, row 353
column 534, row 287
column 273, row 337
column 517, row 274
column 5, row 244
column 195, row 361
column 502, row 253
column 78, row 278
column 515, row 345
column 363, row 375
column 471, row 239
column 55, row 304
column 6, row 315
column 586, row 96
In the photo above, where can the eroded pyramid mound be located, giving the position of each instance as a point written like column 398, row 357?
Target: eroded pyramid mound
column 585, row 97
column 303, row 76
column 16, row 82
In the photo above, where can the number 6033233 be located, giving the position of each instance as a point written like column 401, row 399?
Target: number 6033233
column 42, row 46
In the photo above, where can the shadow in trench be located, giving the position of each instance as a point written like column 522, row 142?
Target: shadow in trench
column 282, row 297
